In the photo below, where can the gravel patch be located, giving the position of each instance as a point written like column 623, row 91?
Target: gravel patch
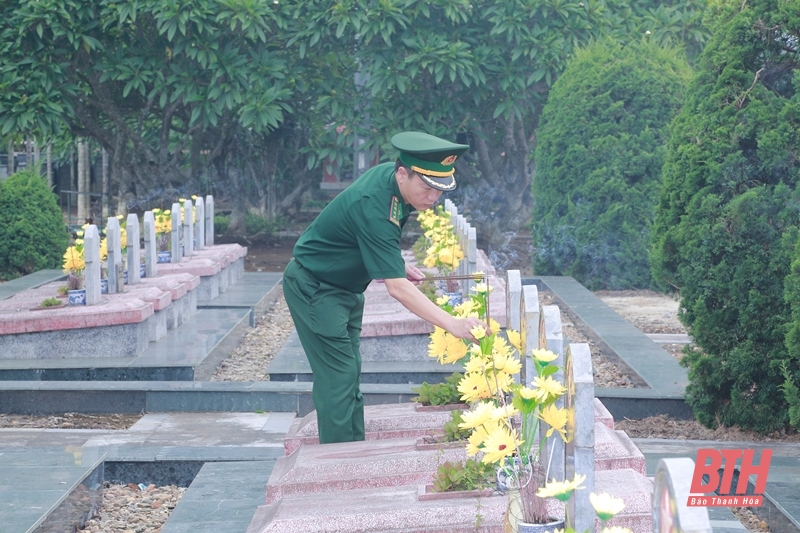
column 250, row 359
column 69, row 421
column 134, row 509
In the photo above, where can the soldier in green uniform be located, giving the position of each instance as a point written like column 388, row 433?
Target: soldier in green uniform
column 354, row 240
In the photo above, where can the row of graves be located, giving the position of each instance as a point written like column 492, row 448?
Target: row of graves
column 139, row 307
column 386, row 483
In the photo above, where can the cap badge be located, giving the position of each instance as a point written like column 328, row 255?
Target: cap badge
column 449, row 160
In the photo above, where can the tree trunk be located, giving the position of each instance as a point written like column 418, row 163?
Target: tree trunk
column 37, row 156
column 82, row 210
column 10, row 157
column 50, row 166
column 105, row 198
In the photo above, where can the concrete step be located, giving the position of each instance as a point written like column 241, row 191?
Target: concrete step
column 381, row 510
column 614, row 450
column 635, row 490
column 49, row 489
column 344, row 466
column 390, row 421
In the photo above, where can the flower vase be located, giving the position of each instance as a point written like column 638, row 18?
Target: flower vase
column 125, row 277
column 549, row 527
column 509, row 474
column 77, row 296
column 164, row 257
column 104, row 286
column 454, row 298
column 142, row 270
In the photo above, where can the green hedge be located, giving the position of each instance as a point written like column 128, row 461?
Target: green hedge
column 598, row 163
column 33, row 235
column 726, row 226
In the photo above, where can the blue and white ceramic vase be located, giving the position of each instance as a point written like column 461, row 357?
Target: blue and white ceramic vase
column 77, row 297
column 454, row 298
column 142, row 270
column 104, row 286
column 164, row 257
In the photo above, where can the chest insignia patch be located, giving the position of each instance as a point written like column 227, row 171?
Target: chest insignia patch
column 396, row 211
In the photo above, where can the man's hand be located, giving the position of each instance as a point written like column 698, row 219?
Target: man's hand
column 462, row 328
column 414, row 275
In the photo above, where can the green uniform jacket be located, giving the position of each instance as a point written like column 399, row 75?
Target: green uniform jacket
column 356, row 238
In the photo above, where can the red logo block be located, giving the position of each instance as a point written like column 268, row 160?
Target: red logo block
column 709, row 463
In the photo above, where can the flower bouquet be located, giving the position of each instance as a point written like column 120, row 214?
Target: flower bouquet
column 442, row 249
column 73, row 266
column 163, row 223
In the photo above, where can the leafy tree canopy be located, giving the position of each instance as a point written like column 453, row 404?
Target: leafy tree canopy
column 726, row 223
column 599, row 159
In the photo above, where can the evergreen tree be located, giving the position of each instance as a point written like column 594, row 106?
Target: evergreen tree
column 726, row 224
column 599, row 159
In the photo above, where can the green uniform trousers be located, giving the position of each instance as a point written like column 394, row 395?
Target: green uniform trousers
column 328, row 322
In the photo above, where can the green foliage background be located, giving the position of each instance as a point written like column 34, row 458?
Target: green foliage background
column 598, row 162
column 726, row 225
column 33, row 235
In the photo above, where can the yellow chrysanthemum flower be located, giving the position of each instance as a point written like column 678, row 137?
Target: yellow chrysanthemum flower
column 514, row 338
column 437, row 346
column 465, row 308
column 478, row 332
column 442, row 300
column 476, row 439
column 561, row 490
column 501, row 347
column 547, row 388
column 556, row 418
column 474, row 387
column 103, row 250
column 499, row 444
column 506, row 363
column 606, row 506
column 456, row 349
column 544, row 356
column 495, row 326
column 478, row 416
column 73, row 261
column 475, row 364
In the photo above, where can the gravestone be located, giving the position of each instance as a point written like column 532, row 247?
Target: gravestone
column 529, row 329
column 91, row 272
column 114, row 259
column 134, row 251
column 513, row 312
column 175, row 218
column 472, row 256
column 671, row 489
column 200, row 223
column 552, row 338
column 209, row 205
column 150, row 244
column 579, row 451
column 188, row 229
